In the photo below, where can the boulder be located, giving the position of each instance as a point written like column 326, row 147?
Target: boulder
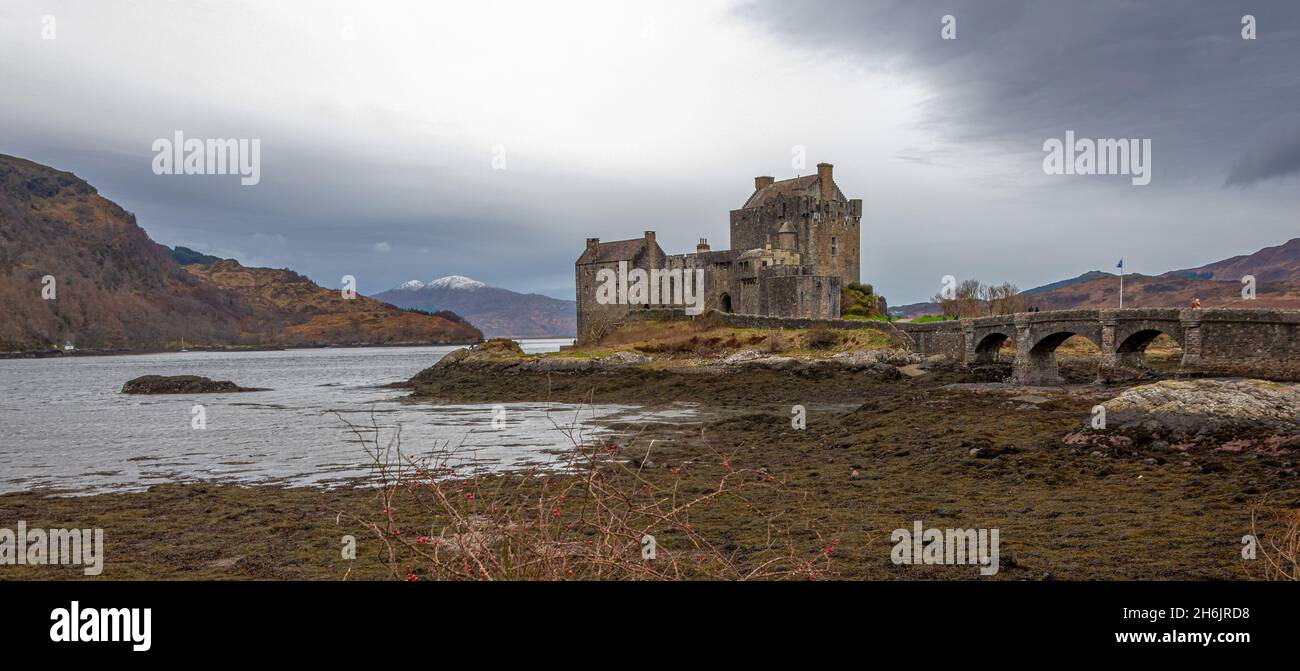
column 625, row 359
column 1206, row 404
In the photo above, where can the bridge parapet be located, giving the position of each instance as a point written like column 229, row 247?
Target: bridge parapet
column 1243, row 343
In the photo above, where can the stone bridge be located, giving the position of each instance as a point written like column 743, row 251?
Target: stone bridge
column 1229, row 342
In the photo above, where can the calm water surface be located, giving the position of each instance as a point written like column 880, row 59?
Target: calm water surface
column 64, row 423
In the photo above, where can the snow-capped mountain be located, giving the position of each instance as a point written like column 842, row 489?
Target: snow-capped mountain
column 448, row 282
column 456, row 282
column 495, row 311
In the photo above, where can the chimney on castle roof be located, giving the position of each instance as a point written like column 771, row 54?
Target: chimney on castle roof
column 703, row 246
column 824, row 179
column 649, row 236
column 592, row 243
column 762, row 182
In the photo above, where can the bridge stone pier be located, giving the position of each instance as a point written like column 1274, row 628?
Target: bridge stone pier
column 1227, row 342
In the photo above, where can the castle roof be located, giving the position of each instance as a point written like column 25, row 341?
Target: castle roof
column 808, row 185
column 615, row 250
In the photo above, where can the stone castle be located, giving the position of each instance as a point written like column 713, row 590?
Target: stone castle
column 794, row 245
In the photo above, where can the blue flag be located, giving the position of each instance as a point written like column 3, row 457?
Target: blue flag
column 1120, row 264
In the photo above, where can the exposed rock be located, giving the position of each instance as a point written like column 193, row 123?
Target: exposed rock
column 626, row 359
column 453, row 358
column 1221, row 416
column 742, row 356
column 1201, row 405
column 893, row 357
column 912, row 370
column 558, row 365
column 500, row 346
column 181, row 384
column 491, row 351
column 776, row 362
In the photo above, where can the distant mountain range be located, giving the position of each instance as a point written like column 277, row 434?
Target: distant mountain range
column 495, row 311
column 1277, row 285
column 75, row 267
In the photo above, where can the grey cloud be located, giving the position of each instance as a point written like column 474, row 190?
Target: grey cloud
column 1276, row 157
column 1022, row 71
column 352, row 173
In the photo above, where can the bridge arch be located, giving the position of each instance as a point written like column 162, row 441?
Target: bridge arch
column 1138, row 341
column 1047, row 344
column 1130, row 358
column 986, row 350
column 1038, row 365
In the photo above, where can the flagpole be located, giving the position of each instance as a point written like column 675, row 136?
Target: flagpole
column 1121, row 285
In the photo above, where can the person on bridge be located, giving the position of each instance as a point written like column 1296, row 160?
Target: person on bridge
column 1196, row 303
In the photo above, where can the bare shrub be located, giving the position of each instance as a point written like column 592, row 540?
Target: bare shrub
column 775, row 343
column 821, row 339
column 1278, row 547
column 595, row 329
column 591, row 516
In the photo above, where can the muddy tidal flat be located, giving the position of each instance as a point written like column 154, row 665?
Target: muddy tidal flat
column 885, row 443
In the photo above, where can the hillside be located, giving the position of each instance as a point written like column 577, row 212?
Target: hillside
column 1166, row 291
column 1061, row 284
column 1271, row 264
column 497, row 312
column 1277, row 285
column 309, row 314
column 1276, row 271
column 114, row 288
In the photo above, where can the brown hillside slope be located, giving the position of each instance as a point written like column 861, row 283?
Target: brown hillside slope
column 1168, row 292
column 313, row 315
column 1277, row 285
column 1270, row 264
column 116, row 288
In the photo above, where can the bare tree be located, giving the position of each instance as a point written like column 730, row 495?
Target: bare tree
column 1004, row 299
column 972, row 298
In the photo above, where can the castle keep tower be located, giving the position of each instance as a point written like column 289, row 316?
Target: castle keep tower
column 794, row 246
column 826, row 224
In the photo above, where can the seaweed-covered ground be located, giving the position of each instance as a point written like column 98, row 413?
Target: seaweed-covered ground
column 885, row 444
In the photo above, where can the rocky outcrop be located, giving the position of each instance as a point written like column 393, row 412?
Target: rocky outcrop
column 1198, row 405
column 747, row 377
column 500, row 346
column 181, row 384
column 1178, row 416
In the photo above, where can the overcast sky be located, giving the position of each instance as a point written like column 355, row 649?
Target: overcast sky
column 379, row 123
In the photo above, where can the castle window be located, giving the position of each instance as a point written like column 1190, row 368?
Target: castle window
column 834, row 247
